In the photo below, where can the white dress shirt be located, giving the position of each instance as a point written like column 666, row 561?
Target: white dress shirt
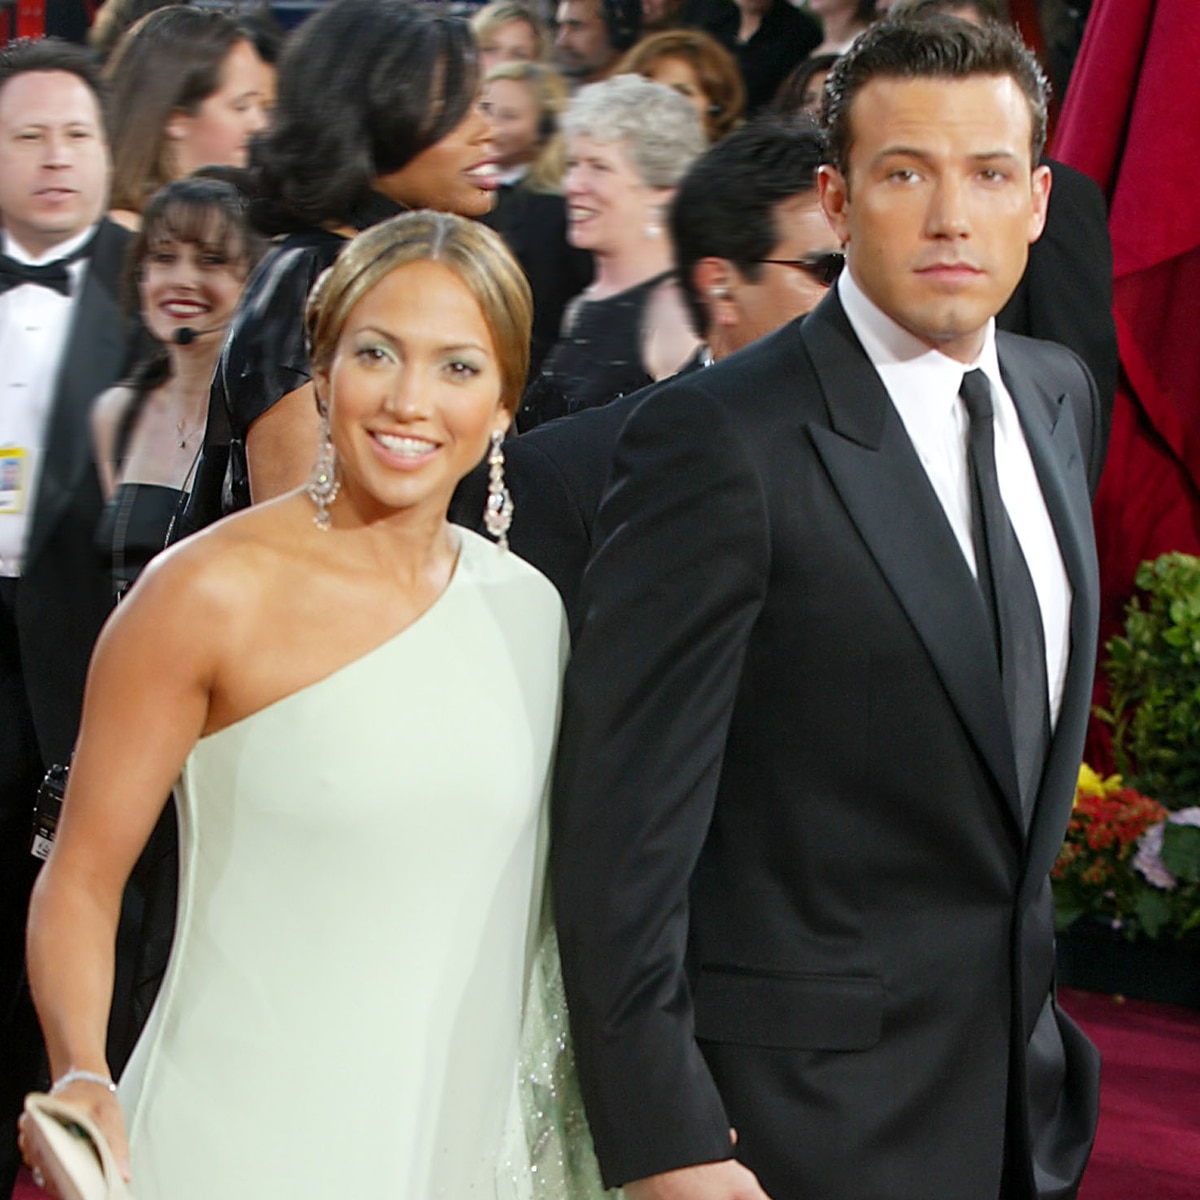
column 923, row 385
column 34, row 324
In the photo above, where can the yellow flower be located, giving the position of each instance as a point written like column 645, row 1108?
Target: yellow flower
column 1091, row 784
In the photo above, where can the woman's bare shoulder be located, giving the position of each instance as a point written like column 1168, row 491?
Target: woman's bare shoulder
column 220, row 576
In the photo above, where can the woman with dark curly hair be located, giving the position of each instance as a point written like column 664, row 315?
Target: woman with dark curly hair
column 376, row 113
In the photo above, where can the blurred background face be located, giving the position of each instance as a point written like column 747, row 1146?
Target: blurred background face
column 608, row 205
column 455, row 175
column 512, row 111
column 514, row 41
column 188, row 284
column 788, row 287
column 810, row 102
column 678, row 73
column 218, row 133
column 581, row 45
column 54, row 165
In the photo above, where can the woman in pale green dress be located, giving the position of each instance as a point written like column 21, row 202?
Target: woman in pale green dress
column 360, row 702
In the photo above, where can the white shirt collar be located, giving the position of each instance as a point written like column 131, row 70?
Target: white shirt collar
column 889, row 344
column 61, row 250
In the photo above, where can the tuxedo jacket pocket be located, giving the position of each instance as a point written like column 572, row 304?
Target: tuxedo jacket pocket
column 788, row 1011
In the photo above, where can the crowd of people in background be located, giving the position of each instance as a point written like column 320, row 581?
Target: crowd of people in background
column 222, row 237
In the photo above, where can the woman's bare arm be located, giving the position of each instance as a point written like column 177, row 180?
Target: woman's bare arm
column 107, row 410
column 282, row 444
column 146, row 703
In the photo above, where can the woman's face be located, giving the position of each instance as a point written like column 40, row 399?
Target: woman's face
column 455, row 175
column 218, row 133
column 810, row 102
column 512, row 110
column 608, row 205
column 413, row 391
column 678, row 73
column 188, row 285
column 514, row 41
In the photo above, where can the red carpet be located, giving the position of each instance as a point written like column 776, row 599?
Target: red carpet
column 1148, row 1145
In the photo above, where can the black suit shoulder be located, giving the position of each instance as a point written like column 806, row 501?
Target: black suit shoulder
column 1066, row 292
column 1061, row 372
column 556, row 474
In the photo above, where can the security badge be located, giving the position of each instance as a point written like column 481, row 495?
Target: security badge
column 14, row 468
column 46, row 811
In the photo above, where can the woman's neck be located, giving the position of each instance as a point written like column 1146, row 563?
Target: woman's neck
column 752, row 13
column 622, row 270
column 192, row 370
column 840, row 28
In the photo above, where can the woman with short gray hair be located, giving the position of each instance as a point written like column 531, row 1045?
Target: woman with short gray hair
column 629, row 143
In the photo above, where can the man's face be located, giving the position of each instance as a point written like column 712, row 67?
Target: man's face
column 784, row 291
column 581, row 45
column 940, row 202
column 54, row 165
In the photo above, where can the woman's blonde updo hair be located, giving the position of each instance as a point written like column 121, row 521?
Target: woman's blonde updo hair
column 491, row 17
column 472, row 251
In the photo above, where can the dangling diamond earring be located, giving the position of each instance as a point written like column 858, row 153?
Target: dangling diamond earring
column 653, row 228
column 323, row 485
column 498, row 512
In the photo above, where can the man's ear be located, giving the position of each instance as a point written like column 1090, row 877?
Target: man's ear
column 715, row 280
column 834, row 191
column 1040, row 184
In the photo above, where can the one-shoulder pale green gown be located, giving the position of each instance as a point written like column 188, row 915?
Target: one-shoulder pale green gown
column 361, row 876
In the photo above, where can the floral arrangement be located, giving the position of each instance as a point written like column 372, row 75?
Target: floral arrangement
column 1128, row 861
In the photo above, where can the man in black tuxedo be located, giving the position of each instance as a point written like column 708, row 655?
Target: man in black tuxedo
column 825, row 711
column 62, row 341
column 753, row 251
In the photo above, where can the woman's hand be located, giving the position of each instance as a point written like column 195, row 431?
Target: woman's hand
column 95, row 1101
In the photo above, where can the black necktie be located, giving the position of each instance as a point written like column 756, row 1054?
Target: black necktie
column 1009, row 596
column 53, row 275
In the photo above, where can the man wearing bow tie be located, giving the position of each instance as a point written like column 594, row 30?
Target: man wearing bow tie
column 62, row 341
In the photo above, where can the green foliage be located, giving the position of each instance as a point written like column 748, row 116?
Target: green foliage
column 1154, row 673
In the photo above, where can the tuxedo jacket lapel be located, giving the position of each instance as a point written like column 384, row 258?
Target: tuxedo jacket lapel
column 883, row 486
column 94, row 354
column 1047, row 419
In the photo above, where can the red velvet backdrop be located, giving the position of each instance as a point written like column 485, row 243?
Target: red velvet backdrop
column 1129, row 121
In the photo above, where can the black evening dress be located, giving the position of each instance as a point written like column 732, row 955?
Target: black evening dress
column 597, row 358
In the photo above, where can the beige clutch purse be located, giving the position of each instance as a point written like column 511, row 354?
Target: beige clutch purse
column 76, row 1158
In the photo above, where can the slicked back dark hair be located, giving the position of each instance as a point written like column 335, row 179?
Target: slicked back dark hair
column 364, row 86
column 725, row 204
column 989, row 10
column 54, row 54
column 928, row 47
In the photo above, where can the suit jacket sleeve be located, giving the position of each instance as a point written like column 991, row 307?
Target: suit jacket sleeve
column 668, row 602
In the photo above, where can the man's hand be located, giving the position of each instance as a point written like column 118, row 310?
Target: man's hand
column 727, row 1180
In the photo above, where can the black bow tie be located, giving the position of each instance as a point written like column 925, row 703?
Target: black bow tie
column 53, row 275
